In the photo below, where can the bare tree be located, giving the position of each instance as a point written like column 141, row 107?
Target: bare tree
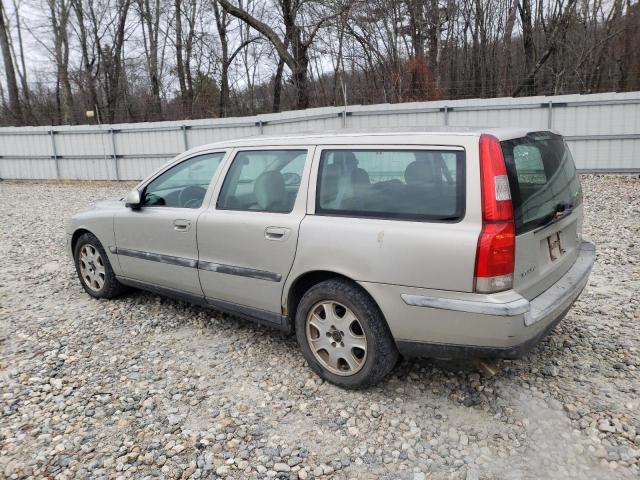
column 227, row 57
column 239, row 57
column 10, row 73
column 59, row 11
column 89, row 60
column 184, row 51
column 150, row 12
column 293, row 49
column 558, row 33
column 111, row 56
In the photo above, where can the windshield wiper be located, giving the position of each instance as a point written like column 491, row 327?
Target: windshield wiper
column 560, row 210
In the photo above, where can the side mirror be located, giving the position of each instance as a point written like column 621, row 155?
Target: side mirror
column 132, row 200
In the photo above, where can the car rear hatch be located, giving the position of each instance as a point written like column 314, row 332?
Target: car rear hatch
column 547, row 208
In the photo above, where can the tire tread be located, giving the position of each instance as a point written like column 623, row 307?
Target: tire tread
column 384, row 352
column 112, row 287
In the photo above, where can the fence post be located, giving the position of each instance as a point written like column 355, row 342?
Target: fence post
column 446, row 116
column 550, row 115
column 185, row 139
column 54, row 152
column 114, row 154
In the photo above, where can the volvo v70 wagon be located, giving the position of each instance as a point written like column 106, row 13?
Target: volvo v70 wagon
column 453, row 243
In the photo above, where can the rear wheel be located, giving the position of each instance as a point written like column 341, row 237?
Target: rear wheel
column 94, row 270
column 343, row 335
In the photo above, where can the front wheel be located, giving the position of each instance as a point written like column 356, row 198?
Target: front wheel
column 343, row 335
column 94, row 270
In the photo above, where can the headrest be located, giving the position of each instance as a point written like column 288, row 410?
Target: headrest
column 418, row 173
column 269, row 189
column 345, row 158
column 359, row 176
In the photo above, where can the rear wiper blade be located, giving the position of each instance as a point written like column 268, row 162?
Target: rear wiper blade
column 560, row 210
column 563, row 207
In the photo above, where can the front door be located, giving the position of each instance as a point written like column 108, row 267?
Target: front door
column 247, row 239
column 156, row 243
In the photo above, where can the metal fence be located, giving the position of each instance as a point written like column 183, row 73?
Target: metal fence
column 603, row 131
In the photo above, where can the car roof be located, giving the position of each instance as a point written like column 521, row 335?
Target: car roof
column 365, row 136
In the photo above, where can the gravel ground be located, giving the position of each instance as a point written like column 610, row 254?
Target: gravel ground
column 149, row 387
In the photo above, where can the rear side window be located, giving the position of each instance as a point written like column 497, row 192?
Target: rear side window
column 263, row 180
column 392, row 184
column 542, row 178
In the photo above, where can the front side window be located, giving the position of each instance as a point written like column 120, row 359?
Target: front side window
column 185, row 184
column 263, row 180
column 393, row 184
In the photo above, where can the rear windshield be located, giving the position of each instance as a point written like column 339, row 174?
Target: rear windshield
column 392, row 184
column 542, row 179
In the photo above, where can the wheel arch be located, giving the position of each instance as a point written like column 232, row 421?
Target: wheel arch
column 306, row 280
column 78, row 232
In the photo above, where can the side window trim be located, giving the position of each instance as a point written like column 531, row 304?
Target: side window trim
column 142, row 187
column 314, row 207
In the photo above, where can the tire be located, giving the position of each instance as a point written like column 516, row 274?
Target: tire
column 96, row 275
column 363, row 346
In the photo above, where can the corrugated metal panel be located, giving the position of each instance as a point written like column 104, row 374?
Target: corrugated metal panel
column 27, row 168
column 25, row 145
column 87, row 169
column 603, row 131
column 148, row 141
column 605, row 155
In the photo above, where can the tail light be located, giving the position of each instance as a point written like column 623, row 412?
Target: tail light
column 495, row 255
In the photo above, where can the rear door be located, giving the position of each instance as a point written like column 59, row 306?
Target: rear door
column 247, row 238
column 393, row 214
column 548, row 211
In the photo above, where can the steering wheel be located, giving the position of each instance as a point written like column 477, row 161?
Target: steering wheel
column 190, row 196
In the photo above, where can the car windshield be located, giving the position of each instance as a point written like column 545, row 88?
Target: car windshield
column 542, row 178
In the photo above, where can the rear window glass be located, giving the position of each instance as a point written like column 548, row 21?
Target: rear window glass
column 542, row 178
column 392, row 184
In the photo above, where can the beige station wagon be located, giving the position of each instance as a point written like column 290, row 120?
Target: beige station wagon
column 441, row 243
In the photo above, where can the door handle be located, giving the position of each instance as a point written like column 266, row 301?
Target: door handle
column 277, row 233
column 181, row 225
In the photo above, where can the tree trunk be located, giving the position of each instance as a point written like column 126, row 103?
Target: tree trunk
column 277, row 86
column 558, row 33
column 12, row 84
column 221, row 24
column 505, row 74
column 528, row 85
column 150, row 18
column 186, row 106
column 113, row 61
column 298, row 59
column 88, row 78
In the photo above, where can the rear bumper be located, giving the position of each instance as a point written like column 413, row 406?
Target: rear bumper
column 504, row 325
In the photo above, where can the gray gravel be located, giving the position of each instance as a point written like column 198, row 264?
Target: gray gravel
column 149, row 387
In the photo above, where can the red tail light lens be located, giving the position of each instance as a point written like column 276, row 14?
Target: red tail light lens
column 495, row 256
column 496, row 196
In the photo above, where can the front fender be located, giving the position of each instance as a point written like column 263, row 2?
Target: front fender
column 100, row 223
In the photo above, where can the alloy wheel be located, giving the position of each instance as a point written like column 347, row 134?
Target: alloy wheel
column 92, row 267
column 336, row 338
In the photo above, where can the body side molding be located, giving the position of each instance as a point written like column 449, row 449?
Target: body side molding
column 199, row 264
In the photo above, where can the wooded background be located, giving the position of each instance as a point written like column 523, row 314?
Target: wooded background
column 149, row 60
